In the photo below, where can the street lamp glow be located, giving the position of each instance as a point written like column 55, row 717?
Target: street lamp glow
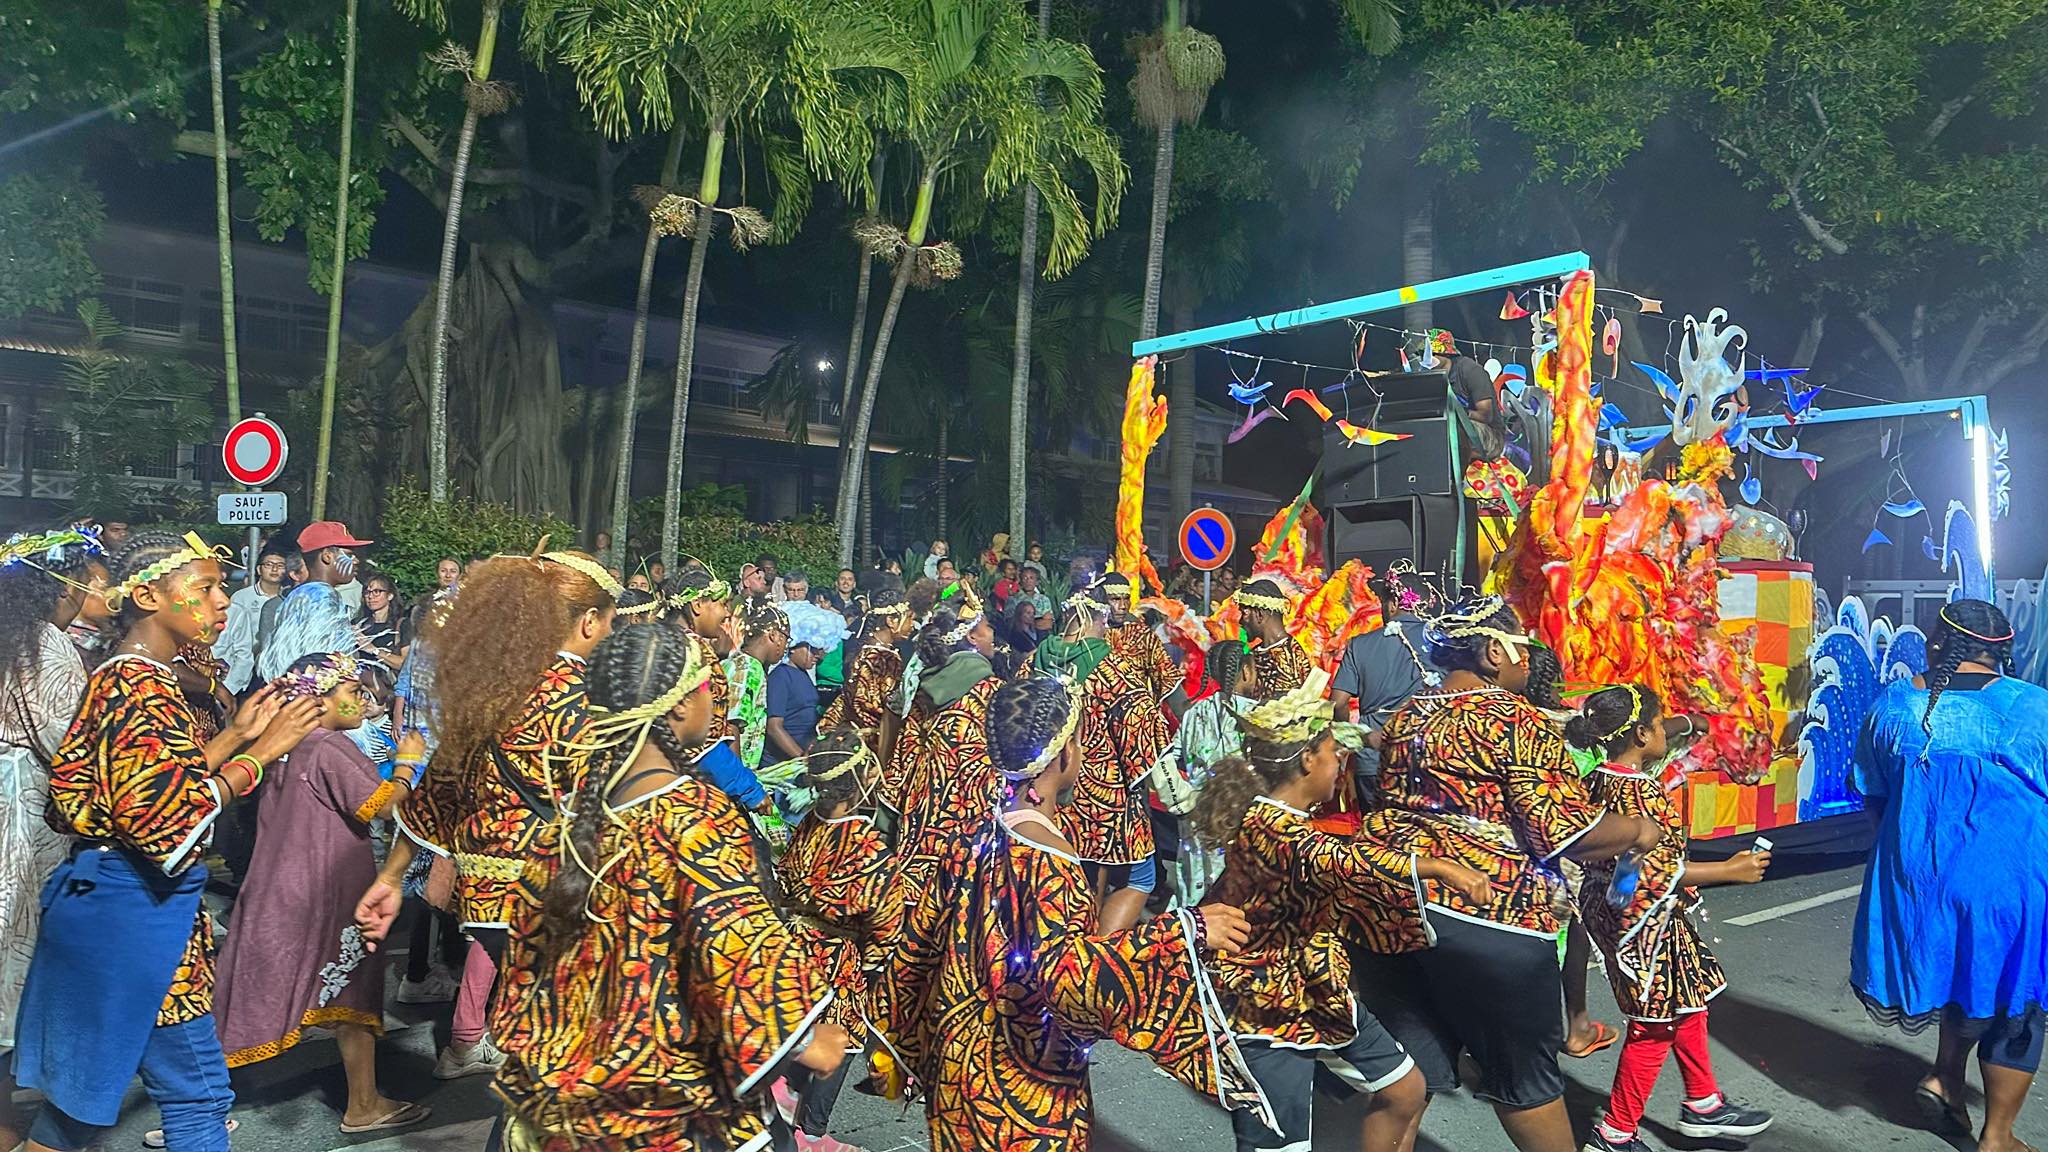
column 824, row 365
column 1980, row 477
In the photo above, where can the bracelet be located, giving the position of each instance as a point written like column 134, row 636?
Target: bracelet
column 1201, row 928
column 415, row 763
column 255, row 770
column 1687, row 717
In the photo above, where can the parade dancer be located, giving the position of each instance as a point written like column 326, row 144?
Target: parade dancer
column 1662, row 973
column 1122, row 732
column 1004, row 979
column 952, row 789
column 876, row 670
column 294, row 958
column 1288, row 991
column 141, row 794
column 651, row 991
column 1473, row 772
column 701, row 605
column 1279, row 663
column 508, row 685
column 848, row 894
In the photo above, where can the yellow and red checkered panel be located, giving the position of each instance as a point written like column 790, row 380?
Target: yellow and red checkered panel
column 1775, row 599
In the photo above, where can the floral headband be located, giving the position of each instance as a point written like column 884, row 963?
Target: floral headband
column 647, row 609
column 48, row 551
column 1256, row 600
column 194, row 549
column 715, row 592
column 318, row 675
column 588, row 567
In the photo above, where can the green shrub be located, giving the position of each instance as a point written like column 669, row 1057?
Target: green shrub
column 416, row 533
column 726, row 542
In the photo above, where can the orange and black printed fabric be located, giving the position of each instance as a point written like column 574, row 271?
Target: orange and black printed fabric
column 721, row 703
column 1137, row 641
column 952, row 791
column 472, row 812
column 1279, row 668
column 132, row 772
column 847, row 891
column 1122, row 731
column 998, row 990
column 904, row 754
column 1656, row 962
column 865, row 699
column 1297, row 886
column 661, row 1024
column 208, row 717
column 1482, row 778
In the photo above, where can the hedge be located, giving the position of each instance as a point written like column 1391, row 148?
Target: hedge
column 416, row 532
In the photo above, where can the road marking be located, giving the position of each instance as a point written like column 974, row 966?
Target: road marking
column 1758, row 917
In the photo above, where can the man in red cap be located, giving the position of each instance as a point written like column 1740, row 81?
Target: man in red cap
column 312, row 618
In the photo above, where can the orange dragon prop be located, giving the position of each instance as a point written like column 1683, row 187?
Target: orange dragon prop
column 1144, row 423
column 1636, row 599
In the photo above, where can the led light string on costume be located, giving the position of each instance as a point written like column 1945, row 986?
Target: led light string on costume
column 194, row 549
column 609, row 730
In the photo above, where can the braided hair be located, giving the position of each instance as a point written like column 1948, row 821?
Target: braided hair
column 633, row 598
column 1223, row 663
column 630, row 668
column 1458, row 639
column 142, row 550
column 1024, row 716
column 1236, row 783
column 930, row 644
column 29, row 593
column 881, row 603
column 692, row 579
column 1968, row 631
column 1545, row 688
column 1612, row 717
column 823, row 766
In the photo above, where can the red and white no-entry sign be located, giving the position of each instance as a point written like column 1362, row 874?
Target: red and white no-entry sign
column 253, row 452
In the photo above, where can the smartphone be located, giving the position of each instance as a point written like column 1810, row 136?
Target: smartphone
column 1762, row 844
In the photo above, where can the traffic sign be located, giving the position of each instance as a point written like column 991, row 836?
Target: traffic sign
column 1207, row 539
column 249, row 509
column 253, row 452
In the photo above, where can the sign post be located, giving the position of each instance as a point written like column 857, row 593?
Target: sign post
column 1207, row 540
column 253, row 454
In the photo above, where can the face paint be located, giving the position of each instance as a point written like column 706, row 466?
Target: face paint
column 348, row 709
column 345, row 562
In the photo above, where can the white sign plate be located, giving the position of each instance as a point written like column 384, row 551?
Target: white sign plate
column 249, row 509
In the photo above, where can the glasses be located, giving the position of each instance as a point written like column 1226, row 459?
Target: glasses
column 376, row 591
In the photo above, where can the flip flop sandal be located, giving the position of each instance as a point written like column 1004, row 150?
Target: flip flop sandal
column 1603, row 1039
column 154, row 1138
column 1940, row 1111
column 403, row 1116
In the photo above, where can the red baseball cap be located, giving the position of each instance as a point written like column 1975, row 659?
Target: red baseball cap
column 328, row 534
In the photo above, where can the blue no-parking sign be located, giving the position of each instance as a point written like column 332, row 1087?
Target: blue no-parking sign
column 1207, row 539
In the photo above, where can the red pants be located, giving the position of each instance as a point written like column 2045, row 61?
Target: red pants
column 1642, row 1058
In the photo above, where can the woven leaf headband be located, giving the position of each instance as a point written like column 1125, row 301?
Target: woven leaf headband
column 194, row 549
column 588, row 567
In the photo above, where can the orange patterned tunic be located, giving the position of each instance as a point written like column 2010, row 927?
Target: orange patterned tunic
column 661, row 1025
column 475, row 813
column 1280, row 667
column 847, row 890
column 1291, row 983
column 953, row 791
column 1141, row 644
column 1122, row 731
column 1479, row 777
column 721, row 703
column 132, row 773
column 1659, row 967
column 870, row 685
column 999, row 988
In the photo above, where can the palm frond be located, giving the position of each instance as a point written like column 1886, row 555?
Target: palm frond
column 1377, row 22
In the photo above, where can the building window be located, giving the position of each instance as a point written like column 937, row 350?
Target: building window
column 265, row 324
column 1208, row 463
column 52, row 448
column 146, row 307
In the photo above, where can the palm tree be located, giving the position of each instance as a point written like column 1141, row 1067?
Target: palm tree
column 1020, row 362
column 731, row 62
column 975, row 101
column 481, row 97
column 229, row 360
column 327, row 376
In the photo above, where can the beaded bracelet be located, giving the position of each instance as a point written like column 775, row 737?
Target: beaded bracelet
column 255, row 770
column 1201, row 927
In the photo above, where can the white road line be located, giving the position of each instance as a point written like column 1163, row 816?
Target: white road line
column 1758, row 917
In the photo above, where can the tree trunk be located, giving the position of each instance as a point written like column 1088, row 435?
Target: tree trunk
column 594, row 412
column 857, row 446
column 1155, row 249
column 945, row 467
column 444, row 281
column 230, row 362
column 1020, row 357
column 1418, row 254
column 686, row 339
column 622, row 481
column 1180, row 428
column 867, row 516
column 333, row 364
column 846, row 389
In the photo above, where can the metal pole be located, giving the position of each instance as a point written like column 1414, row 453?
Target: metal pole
column 1206, row 610
column 255, row 543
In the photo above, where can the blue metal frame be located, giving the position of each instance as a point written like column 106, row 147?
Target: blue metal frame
column 1975, row 412
column 1548, row 268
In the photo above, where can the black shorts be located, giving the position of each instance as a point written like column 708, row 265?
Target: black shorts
column 1495, row 993
column 1372, row 1061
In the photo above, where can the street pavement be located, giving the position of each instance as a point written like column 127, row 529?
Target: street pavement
column 1788, row 1036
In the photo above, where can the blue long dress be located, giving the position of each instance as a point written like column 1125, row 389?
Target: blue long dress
column 1955, row 896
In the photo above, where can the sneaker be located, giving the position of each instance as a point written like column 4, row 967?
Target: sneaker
column 1730, row 1119
column 805, row 1142
column 785, row 1101
column 154, row 1138
column 481, row 1060
column 439, row 987
column 1599, row 1142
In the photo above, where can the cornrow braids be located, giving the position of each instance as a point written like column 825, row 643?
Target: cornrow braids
column 1223, row 663
column 1546, row 679
column 143, row 549
column 1024, row 716
column 1967, row 632
column 930, row 643
column 629, row 668
column 1458, row 639
column 1611, row 717
column 828, row 754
